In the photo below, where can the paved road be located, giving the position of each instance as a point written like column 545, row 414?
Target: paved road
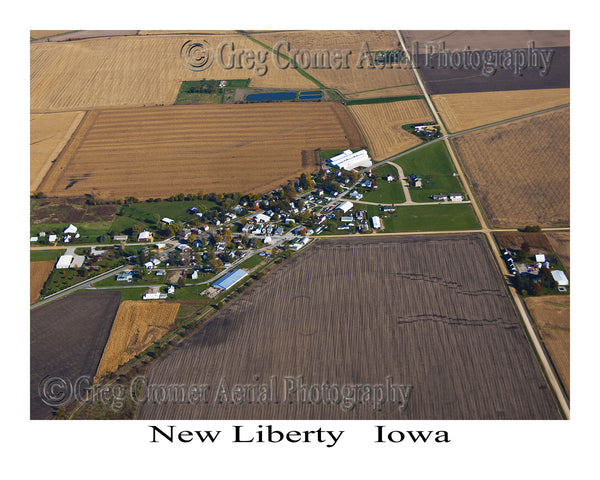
column 488, row 232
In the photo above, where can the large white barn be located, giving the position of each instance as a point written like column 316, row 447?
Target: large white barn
column 349, row 160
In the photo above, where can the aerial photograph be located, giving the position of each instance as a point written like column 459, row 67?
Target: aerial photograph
column 299, row 225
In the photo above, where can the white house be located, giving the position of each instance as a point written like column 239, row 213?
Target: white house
column 151, row 296
column 262, row 218
column 171, row 289
column 456, row 197
column 144, row 236
column 194, row 275
column 70, row 229
column 33, row 239
column 267, row 240
column 52, row 238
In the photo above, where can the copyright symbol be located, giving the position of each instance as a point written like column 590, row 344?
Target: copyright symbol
column 55, row 391
column 196, row 56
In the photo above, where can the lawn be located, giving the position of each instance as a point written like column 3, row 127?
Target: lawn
column 45, row 255
column 434, row 165
column 386, row 192
column 422, row 218
column 251, row 262
column 88, row 232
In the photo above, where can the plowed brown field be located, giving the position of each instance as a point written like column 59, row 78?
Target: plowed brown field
column 461, row 111
column 520, row 170
column 138, row 325
column 158, row 152
column 382, row 125
column 552, row 317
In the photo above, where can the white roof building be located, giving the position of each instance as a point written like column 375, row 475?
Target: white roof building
column 349, row 160
column 70, row 229
column 33, row 239
column 144, row 236
column 194, row 275
column 64, row 261
column 376, row 222
column 151, row 296
column 171, row 289
column 52, row 238
column 456, row 197
column 168, row 220
column 268, row 240
column 560, row 277
column 345, row 206
column 261, row 218
column 540, row 257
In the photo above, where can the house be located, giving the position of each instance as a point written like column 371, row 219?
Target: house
column 167, row 220
column 267, row 240
column 120, row 238
column 279, row 231
column 390, row 178
column 70, row 229
column 194, row 275
column 171, row 289
column 388, row 208
column 456, row 197
column 155, row 261
column 125, row 277
column 151, row 296
column 33, row 239
column 149, row 265
column 540, row 258
column 261, row 218
column 439, row 196
column 52, row 238
column 183, row 247
column 418, row 183
column 354, row 194
column 346, row 219
column 145, row 236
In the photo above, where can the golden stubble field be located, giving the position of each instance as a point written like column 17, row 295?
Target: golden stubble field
column 352, row 79
column 520, row 170
column 131, row 71
column 382, row 125
column 552, row 317
column 461, row 111
column 38, row 274
column 138, row 325
column 48, row 134
column 158, row 152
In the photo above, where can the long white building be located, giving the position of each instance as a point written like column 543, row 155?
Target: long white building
column 349, row 160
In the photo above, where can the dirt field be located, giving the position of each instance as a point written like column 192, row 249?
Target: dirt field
column 45, row 33
column 137, row 325
column 561, row 244
column 158, row 152
column 520, row 170
column 489, row 39
column 552, row 317
column 382, row 125
column 38, row 274
column 351, row 79
column 129, row 71
column 67, row 337
column 70, row 210
column 48, row 134
column 461, row 111
column 430, row 312
column 390, row 91
column 514, row 240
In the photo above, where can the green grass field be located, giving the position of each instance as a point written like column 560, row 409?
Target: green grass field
column 386, row 192
column 434, row 165
column 424, row 218
column 45, row 255
column 251, row 262
column 88, row 232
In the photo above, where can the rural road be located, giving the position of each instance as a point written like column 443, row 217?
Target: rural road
column 541, row 354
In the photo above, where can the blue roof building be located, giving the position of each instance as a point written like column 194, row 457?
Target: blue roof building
column 229, row 280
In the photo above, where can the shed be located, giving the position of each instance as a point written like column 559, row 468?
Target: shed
column 560, row 277
column 345, row 206
column 540, row 258
column 64, row 261
column 229, row 280
column 52, row 238
column 70, row 229
column 376, row 222
column 168, row 220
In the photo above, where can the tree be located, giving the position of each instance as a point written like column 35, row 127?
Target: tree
column 181, row 281
column 537, row 289
column 525, row 246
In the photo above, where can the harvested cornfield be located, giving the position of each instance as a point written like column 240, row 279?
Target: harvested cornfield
column 356, row 75
column 67, row 337
column 128, row 71
column 382, row 123
column 402, row 91
column 427, row 312
column 520, row 170
column 158, row 152
column 461, row 111
column 48, row 134
column 552, row 317
column 561, row 244
column 38, row 274
column 138, row 325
